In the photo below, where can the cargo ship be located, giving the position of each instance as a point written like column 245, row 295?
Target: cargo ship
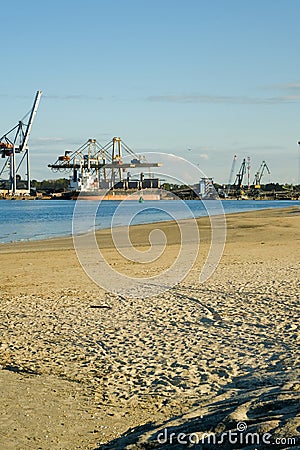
column 87, row 188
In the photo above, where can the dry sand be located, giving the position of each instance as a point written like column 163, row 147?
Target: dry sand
column 80, row 366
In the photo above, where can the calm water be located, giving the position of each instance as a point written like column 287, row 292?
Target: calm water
column 40, row 219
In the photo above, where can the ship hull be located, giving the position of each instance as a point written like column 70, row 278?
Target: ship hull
column 146, row 194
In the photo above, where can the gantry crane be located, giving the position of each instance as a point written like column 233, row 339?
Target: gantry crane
column 95, row 166
column 14, row 149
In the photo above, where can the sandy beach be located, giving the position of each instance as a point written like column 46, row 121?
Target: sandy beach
column 83, row 368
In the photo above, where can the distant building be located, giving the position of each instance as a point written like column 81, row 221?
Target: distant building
column 206, row 189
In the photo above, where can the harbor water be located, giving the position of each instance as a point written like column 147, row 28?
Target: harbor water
column 34, row 220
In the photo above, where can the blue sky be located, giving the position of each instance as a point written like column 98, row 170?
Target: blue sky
column 217, row 77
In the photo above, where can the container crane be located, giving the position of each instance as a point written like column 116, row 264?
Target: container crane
column 99, row 167
column 14, row 149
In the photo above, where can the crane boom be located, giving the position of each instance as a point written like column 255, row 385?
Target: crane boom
column 30, row 122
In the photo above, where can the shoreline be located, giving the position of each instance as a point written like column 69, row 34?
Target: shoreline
column 67, row 241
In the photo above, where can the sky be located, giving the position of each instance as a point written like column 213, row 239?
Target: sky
column 201, row 79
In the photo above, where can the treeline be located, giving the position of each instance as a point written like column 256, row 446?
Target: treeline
column 49, row 186
column 269, row 187
column 61, row 185
column 280, row 187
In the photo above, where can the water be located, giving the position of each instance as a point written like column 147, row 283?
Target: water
column 41, row 219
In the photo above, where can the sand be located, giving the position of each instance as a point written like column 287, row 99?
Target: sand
column 83, row 368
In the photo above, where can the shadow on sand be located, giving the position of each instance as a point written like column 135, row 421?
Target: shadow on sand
column 251, row 412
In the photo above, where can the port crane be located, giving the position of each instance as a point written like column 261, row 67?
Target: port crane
column 238, row 183
column 240, row 175
column 231, row 175
column 94, row 166
column 248, row 171
column 14, row 150
column 259, row 174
